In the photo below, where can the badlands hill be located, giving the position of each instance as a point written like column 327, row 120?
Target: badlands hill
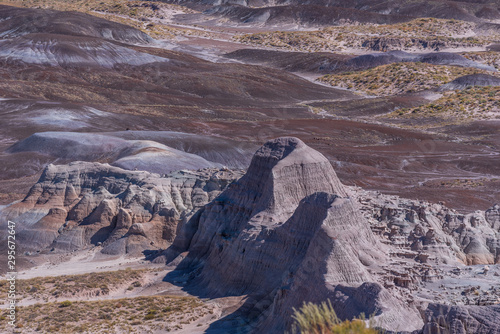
column 344, row 11
column 284, row 232
column 121, row 150
column 18, row 22
column 288, row 231
column 99, row 79
column 324, row 62
column 89, row 58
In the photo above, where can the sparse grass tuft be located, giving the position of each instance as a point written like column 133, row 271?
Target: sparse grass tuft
column 127, row 315
column 65, row 286
column 65, row 303
column 490, row 58
column 321, row 319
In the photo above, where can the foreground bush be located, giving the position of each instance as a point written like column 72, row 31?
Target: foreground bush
column 321, row 319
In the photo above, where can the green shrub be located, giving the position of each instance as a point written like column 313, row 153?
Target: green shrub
column 65, row 303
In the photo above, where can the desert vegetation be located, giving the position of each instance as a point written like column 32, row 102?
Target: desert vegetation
column 418, row 34
column 128, row 315
column 470, row 104
column 322, row 319
column 67, row 286
column 398, row 78
column 462, row 183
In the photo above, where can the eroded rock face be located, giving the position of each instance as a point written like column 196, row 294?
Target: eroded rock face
column 285, row 233
column 462, row 319
column 445, row 235
column 82, row 204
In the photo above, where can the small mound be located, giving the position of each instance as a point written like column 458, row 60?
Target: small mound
column 471, row 80
column 128, row 154
column 230, row 153
column 63, row 50
column 16, row 22
column 317, row 62
column 399, row 78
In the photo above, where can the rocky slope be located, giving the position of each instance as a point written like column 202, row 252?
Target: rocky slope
column 461, row 320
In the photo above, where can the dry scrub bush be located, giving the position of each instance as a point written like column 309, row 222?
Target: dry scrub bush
column 321, row 319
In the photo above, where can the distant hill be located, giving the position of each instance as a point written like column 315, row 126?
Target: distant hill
column 327, row 12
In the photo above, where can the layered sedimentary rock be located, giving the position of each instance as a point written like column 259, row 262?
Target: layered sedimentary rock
column 285, row 233
column 327, row 63
column 66, row 51
column 86, row 204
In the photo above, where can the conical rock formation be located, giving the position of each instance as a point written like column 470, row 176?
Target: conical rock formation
column 285, row 233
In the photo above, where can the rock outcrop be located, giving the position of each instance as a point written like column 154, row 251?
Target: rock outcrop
column 462, row 319
column 285, row 233
column 289, row 232
column 419, row 227
column 86, row 204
